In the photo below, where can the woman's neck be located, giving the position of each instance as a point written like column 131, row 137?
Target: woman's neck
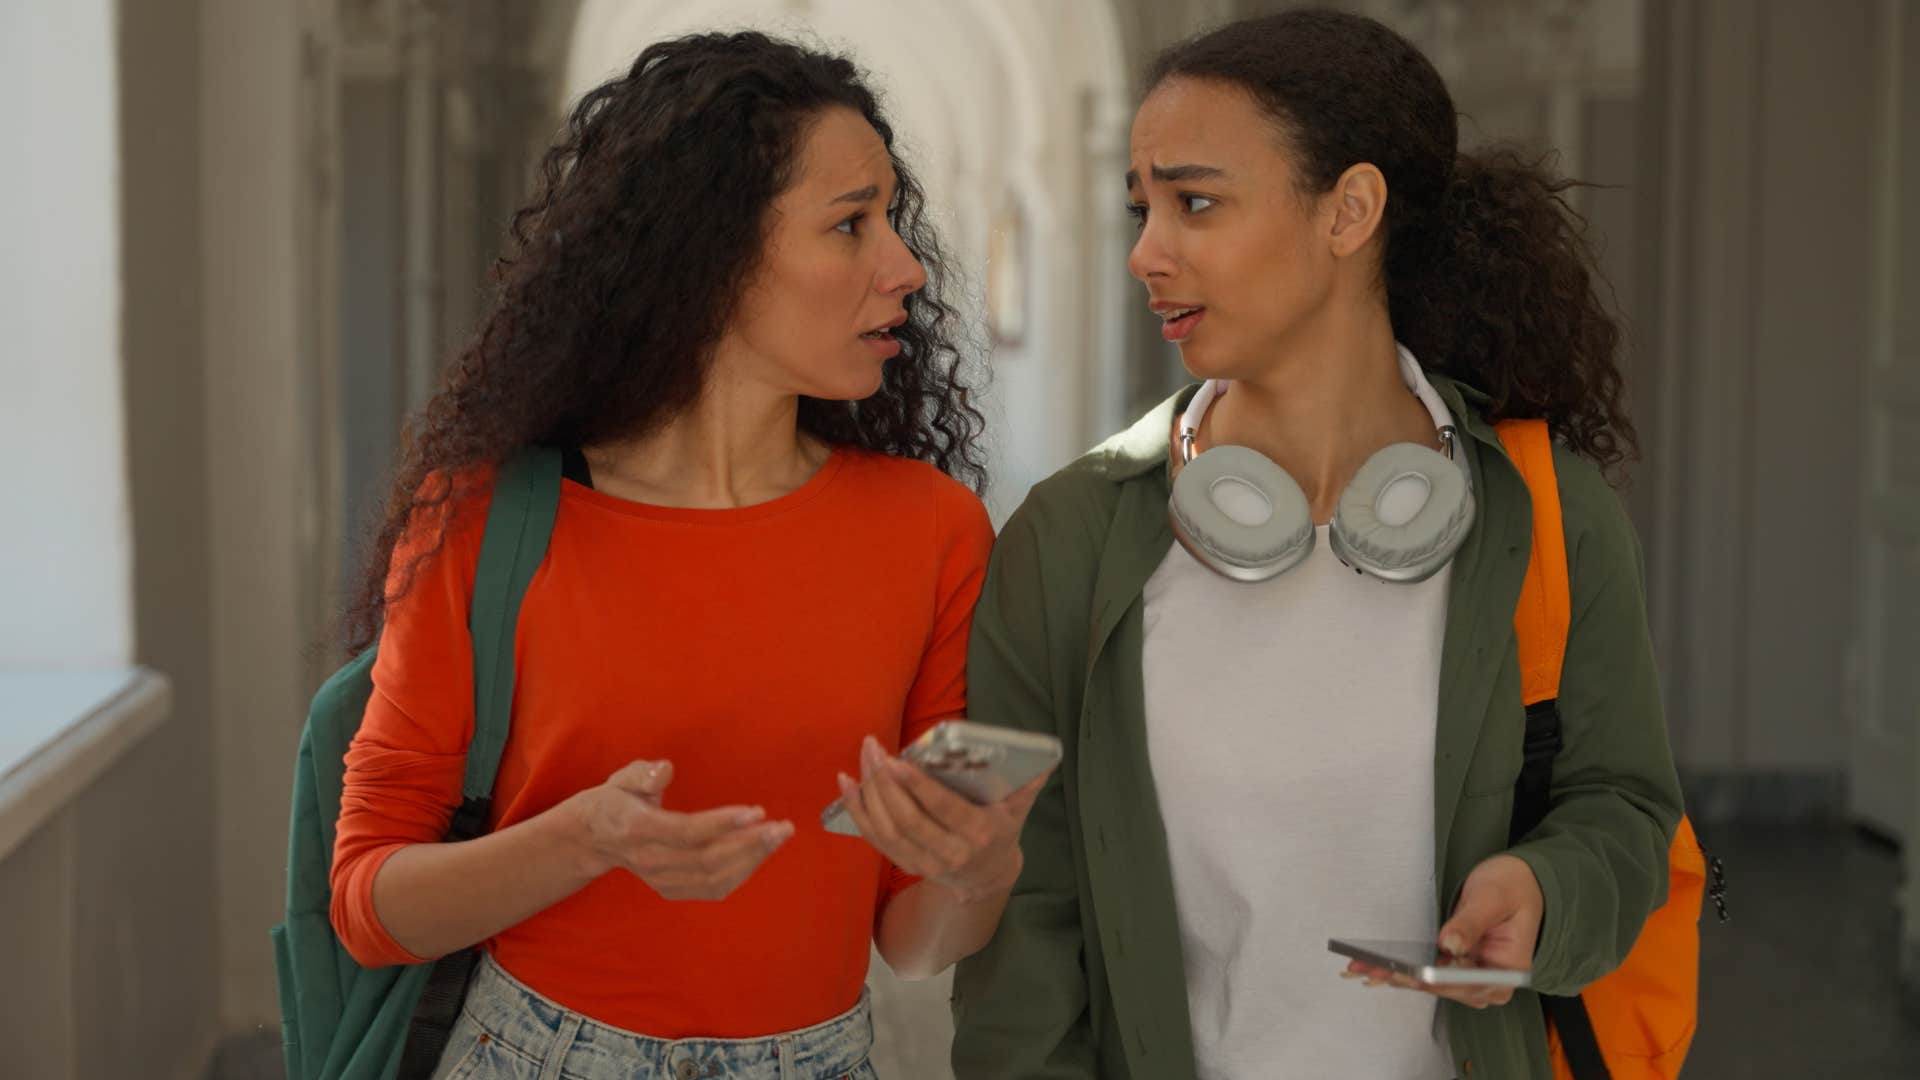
column 739, row 445
column 1324, row 405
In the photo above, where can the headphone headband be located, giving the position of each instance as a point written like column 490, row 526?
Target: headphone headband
column 1196, row 411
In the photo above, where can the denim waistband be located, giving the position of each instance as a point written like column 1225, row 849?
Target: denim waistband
column 584, row 1049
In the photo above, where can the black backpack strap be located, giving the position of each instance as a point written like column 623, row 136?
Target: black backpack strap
column 1568, row 1015
column 1533, row 792
column 1532, row 795
column 526, row 495
column 435, row 1014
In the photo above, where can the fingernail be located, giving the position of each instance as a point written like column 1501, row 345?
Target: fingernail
column 749, row 816
column 1453, row 945
column 1350, row 975
column 779, row 834
column 846, row 783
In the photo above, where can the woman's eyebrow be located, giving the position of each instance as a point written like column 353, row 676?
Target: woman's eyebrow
column 865, row 194
column 1173, row 174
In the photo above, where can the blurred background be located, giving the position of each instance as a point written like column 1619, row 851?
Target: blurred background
column 242, row 236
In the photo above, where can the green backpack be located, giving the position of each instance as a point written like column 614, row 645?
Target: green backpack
column 341, row 1021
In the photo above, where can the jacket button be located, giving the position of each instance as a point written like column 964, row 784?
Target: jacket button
column 1466, row 1067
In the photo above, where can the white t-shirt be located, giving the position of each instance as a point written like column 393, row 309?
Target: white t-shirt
column 1297, row 794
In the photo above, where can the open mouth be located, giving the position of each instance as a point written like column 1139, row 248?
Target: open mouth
column 885, row 332
column 1176, row 323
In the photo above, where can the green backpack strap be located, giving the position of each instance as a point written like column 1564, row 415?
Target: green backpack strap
column 526, row 494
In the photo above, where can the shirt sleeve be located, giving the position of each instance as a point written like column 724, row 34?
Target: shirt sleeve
column 406, row 763
column 964, row 535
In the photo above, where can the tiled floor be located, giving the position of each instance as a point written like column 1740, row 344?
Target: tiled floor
column 1800, row 985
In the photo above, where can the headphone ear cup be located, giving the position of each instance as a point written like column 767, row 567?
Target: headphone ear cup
column 1240, row 514
column 1406, row 512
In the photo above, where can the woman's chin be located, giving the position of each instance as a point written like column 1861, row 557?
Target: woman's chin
column 857, row 385
column 1204, row 363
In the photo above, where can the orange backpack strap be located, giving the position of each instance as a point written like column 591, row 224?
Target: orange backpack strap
column 1544, row 611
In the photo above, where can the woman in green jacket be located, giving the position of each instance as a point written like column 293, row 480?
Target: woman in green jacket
column 1273, row 622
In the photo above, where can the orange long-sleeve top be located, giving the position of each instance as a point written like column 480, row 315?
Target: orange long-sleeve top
column 753, row 648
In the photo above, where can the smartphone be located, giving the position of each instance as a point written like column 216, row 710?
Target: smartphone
column 983, row 762
column 1427, row 963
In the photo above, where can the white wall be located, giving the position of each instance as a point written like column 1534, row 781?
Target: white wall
column 65, row 563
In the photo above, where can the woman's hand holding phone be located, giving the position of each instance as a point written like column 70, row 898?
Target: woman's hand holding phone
column 930, row 831
column 1496, row 922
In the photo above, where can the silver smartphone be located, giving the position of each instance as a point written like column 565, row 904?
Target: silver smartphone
column 1427, row 963
column 983, row 762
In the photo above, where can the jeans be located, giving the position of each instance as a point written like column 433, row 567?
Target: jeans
column 508, row 1032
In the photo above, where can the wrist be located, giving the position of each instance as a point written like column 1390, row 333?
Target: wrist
column 569, row 827
column 1521, row 873
column 992, row 880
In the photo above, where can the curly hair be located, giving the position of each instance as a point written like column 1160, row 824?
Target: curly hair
column 672, row 165
column 1487, row 271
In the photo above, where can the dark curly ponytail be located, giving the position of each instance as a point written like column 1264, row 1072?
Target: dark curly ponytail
column 1488, row 275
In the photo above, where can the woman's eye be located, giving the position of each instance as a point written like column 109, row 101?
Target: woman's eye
column 847, row 225
column 1191, row 200
column 1138, row 212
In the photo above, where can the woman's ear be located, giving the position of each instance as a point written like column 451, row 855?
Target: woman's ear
column 1359, row 205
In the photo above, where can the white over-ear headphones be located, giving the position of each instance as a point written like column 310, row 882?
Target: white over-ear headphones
column 1404, row 514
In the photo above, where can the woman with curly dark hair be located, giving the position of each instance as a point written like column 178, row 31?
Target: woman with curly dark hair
column 723, row 308
column 1273, row 623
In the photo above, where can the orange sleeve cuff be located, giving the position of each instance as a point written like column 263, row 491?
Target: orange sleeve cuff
column 353, row 915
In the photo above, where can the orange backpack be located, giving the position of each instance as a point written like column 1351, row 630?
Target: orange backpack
column 1636, row 1023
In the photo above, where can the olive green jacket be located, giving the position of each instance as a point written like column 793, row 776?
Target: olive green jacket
column 1084, row 977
